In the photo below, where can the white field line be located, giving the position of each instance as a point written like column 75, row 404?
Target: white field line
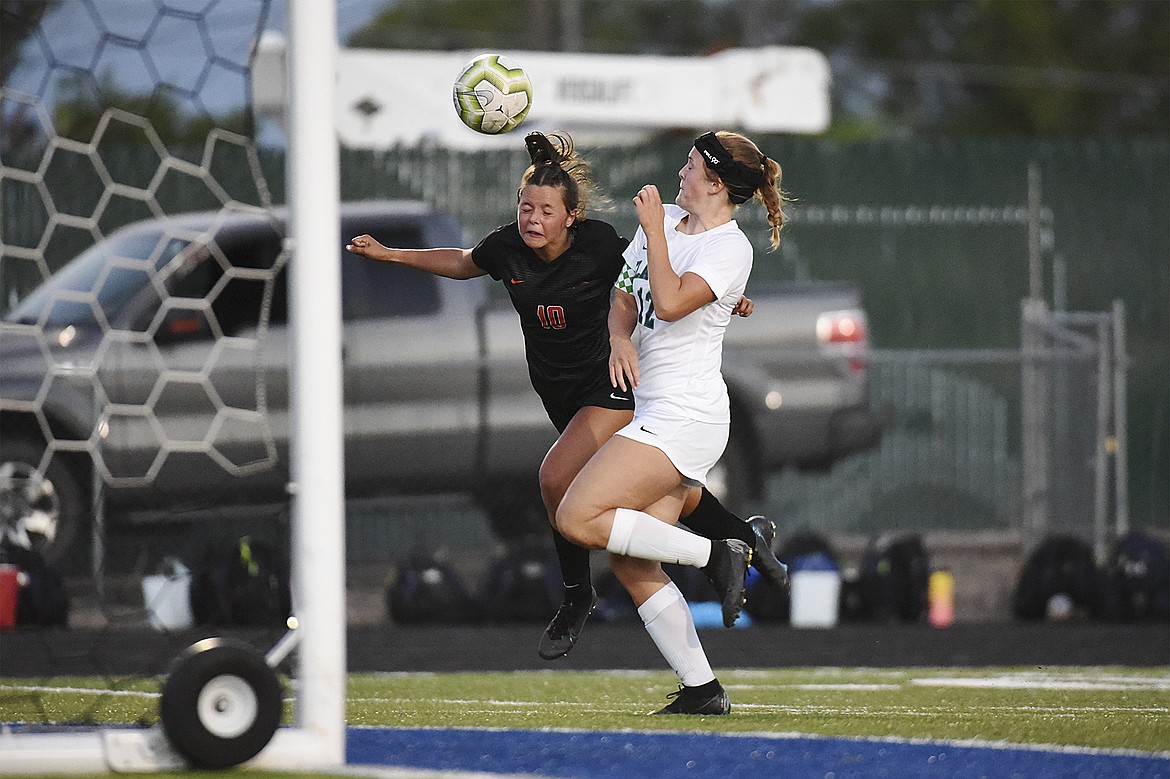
column 1045, row 683
column 843, row 686
column 484, row 707
column 908, row 711
column 474, row 702
column 76, row 690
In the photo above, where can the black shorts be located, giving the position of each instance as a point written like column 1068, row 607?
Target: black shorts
column 563, row 399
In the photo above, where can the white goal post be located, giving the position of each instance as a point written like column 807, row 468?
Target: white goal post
column 317, row 468
column 317, row 738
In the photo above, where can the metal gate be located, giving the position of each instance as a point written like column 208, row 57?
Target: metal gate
column 1029, row 440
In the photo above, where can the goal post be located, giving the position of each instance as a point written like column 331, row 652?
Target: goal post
column 316, row 739
column 317, row 468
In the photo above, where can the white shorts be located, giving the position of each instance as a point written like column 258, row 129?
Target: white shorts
column 693, row 447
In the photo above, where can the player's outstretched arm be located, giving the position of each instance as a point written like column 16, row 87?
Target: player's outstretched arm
column 450, row 262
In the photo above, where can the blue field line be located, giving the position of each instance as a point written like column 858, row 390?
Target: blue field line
column 658, row 755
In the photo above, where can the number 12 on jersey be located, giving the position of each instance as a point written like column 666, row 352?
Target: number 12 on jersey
column 645, row 306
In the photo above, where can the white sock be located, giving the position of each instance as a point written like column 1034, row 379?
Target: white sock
column 669, row 623
column 637, row 534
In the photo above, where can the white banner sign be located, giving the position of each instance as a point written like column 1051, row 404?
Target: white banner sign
column 386, row 98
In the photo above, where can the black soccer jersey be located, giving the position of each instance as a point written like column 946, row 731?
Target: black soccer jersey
column 563, row 304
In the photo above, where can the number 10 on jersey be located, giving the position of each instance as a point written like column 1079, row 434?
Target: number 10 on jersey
column 551, row 317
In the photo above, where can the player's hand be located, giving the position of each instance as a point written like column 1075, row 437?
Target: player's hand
column 648, row 204
column 623, row 363
column 365, row 245
column 744, row 307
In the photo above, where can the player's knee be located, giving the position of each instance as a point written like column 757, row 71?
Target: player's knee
column 553, row 484
column 570, row 523
column 563, row 523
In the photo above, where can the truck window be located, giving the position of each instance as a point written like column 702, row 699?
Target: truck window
column 236, row 301
column 370, row 290
column 380, row 290
column 109, row 270
column 238, row 304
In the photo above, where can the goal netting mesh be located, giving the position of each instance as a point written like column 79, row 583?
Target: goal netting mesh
column 136, row 300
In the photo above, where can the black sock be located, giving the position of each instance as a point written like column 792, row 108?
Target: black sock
column 710, row 688
column 711, row 519
column 574, row 562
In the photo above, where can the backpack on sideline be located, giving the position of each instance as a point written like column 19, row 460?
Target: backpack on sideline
column 42, row 599
column 524, row 584
column 893, row 578
column 1136, row 580
column 1058, row 581
column 427, row 589
column 245, row 582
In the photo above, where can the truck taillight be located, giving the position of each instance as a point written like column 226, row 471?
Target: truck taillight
column 842, row 327
column 845, row 330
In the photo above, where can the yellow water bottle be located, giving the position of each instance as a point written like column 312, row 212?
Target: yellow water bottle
column 940, row 599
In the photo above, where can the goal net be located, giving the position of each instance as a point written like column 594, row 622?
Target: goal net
column 146, row 621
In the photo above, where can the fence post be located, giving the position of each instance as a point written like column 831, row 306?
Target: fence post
column 1035, row 260
column 1102, row 441
column 1033, row 410
column 1120, row 419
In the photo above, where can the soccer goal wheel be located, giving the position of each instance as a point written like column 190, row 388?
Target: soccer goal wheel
column 220, row 703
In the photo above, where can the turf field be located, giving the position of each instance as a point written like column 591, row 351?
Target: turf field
column 584, row 723
column 1106, row 708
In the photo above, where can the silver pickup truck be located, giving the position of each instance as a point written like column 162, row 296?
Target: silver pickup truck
column 157, row 362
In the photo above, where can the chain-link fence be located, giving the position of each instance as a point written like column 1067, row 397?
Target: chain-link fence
column 1024, row 441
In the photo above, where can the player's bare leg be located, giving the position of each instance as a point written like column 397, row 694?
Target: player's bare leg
column 626, row 500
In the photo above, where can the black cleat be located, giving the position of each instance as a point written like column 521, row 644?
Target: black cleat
column 726, row 570
column 561, row 634
column 763, row 558
column 689, row 700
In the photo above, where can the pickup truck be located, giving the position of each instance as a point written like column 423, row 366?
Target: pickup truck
column 150, row 376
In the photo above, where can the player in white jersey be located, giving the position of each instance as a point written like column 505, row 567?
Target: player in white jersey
column 680, row 361
column 685, row 270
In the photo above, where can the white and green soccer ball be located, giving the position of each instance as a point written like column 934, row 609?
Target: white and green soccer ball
column 492, row 94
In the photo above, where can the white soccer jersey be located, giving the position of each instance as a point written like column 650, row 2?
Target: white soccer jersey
column 679, row 362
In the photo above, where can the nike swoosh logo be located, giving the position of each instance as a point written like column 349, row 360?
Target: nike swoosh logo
column 644, row 430
column 616, row 396
column 517, row 281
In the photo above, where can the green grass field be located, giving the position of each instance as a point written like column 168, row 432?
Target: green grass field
column 1112, row 708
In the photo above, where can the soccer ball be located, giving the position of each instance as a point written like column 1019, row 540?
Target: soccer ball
column 492, row 94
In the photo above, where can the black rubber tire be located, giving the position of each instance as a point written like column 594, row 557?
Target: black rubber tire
column 220, row 703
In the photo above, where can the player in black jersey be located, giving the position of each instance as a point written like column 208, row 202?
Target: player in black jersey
column 559, row 268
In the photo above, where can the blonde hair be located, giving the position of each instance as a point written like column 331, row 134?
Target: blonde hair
column 744, row 151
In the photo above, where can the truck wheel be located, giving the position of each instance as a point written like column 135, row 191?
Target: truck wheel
column 730, row 480
column 220, row 704
column 49, row 508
